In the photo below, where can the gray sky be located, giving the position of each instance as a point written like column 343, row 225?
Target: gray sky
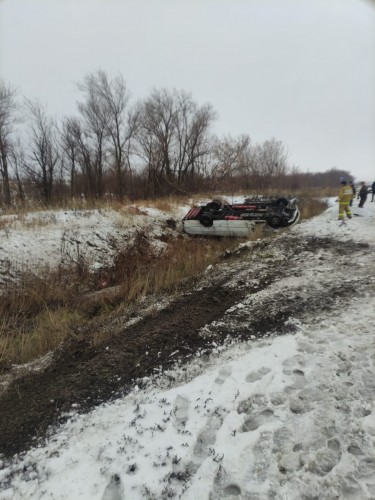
column 302, row 71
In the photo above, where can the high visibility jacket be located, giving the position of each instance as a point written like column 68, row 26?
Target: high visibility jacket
column 345, row 194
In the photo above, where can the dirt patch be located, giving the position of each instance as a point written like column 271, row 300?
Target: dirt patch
column 83, row 375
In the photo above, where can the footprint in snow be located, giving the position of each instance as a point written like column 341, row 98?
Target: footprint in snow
column 282, row 439
column 205, row 441
column 224, row 373
column 254, row 421
column 181, row 413
column 334, row 444
column 298, row 378
column 232, row 490
column 254, row 376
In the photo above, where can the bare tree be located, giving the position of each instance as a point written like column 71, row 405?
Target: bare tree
column 120, row 122
column 173, row 138
column 8, row 109
column 85, row 156
column 17, row 160
column 229, row 157
column 155, row 136
column 193, row 138
column 70, row 148
column 95, row 116
column 272, row 162
column 43, row 155
column 148, row 151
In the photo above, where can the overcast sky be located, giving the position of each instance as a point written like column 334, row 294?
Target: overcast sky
column 302, row 71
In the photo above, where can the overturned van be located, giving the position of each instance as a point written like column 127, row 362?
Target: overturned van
column 218, row 218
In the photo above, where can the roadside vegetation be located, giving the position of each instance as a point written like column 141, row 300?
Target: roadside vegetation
column 43, row 309
column 161, row 151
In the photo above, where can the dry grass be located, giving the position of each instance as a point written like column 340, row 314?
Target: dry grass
column 315, row 192
column 43, row 334
column 167, row 204
column 38, row 312
column 183, row 258
column 43, row 310
column 309, row 207
column 36, row 215
column 26, row 220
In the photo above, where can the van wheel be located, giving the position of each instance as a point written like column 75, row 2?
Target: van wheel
column 274, row 221
column 282, row 201
column 206, row 220
column 214, row 205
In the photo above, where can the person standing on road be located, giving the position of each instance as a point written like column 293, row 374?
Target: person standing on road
column 354, row 193
column 362, row 195
column 345, row 195
column 373, row 191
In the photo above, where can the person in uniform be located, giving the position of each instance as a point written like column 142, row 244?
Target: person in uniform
column 345, row 195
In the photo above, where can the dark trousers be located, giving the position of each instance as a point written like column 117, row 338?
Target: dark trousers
column 362, row 200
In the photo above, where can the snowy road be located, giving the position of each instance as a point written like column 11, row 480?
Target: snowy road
column 286, row 417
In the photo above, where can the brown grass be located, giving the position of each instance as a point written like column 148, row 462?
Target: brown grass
column 37, row 313
column 309, row 207
column 37, row 337
column 42, row 310
column 167, row 204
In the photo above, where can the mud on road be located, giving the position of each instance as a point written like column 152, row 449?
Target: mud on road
column 253, row 292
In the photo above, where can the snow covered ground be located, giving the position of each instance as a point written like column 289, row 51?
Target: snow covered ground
column 50, row 238
column 285, row 417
